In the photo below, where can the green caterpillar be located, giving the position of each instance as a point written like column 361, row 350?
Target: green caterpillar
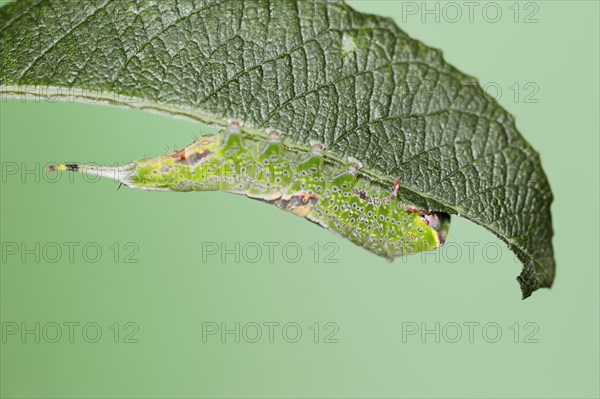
column 338, row 199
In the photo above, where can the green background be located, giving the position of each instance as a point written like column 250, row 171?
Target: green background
column 172, row 290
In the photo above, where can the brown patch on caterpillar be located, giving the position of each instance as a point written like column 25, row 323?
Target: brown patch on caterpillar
column 362, row 194
column 299, row 204
column 179, row 156
column 197, row 157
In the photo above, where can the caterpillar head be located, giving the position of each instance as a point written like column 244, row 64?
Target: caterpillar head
column 440, row 222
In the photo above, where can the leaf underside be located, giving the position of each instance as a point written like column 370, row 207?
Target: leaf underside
column 314, row 70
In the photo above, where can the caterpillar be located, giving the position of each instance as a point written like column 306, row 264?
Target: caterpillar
column 339, row 199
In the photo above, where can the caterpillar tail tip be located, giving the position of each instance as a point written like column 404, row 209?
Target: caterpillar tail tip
column 60, row 167
column 121, row 173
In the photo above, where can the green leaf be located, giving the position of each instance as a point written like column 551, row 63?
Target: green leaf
column 314, row 70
